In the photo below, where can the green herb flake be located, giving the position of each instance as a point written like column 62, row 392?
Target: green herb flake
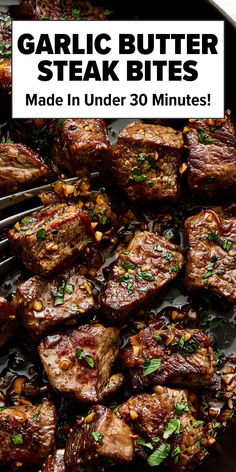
column 158, row 338
column 150, row 366
column 79, row 354
column 128, row 265
column 198, row 423
column 146, row 275
column 203, row 138
column 218, row 354
column 159, row 455
column 141, row 442
column 168, row 255
column 180, row 407
column 213, row 324
column 41, row 234
column 97, row 437
column 172, row 427
column 75, row 13
column 108, row 12
column 139, row 178
column 69, row 288
column 89, row 361
column 158, row 248
column 60, row 123
column 140, row 159
column 226, row 243
column 36, row 416
column 17, row 438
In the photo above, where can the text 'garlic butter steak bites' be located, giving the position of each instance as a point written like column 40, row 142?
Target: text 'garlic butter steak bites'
column 79, row 362
column 100, row 437
column 181, row 357
column 82, row 146
column 27, row 433
column 211, row 158
column 142, row 271
column 46, row 303
column 167, row 428
column 21, row 167
column 211, row 258
column 7, row 321
column 146, row 161
column 48, row 239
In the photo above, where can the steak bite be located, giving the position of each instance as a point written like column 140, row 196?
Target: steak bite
column 45, row 304
column 148, row 265
column 27, row 433
column 55, row 462
column 57, row 10
column 212, row 157
column 20, row 167
column 146, row 160
column 100, row 436
column 211, row 259
column 79, row 362
column 167, row 429
column 7, row 321
column 169, row 356
column 82, row 146
column 5, row 76
column 48, row 239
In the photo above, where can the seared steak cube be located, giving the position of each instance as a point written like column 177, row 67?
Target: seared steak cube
column 212, row 158
column 211, row 259
column 79, row 362
column 146, row 160
column 148, row 265
column 100, row 436
column 55, row 462
column 169, row 356
column 20, row 167
column 68, row 10
column 51, row 238
column 167, row 429
column 47, row 303
column 7, row 321
column 5, row 76
column 82, row 146
column 27, row 433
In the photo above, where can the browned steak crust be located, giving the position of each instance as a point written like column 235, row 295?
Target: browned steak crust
column 27, row 433
column 47, row 240
column 82, row 146
column 212, row 158
column 101, row 435
column 79, row 362
column 146, row 160
column 21, row 167
column 150, row 417
column 184, row 356
column 211, row 259
column 148, row 265
column 45, row 304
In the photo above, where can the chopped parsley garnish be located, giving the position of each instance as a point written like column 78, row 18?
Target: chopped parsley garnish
column 140, row 159
column 139, row 178
column 158, row 337
column 227, row 243
column 172, row 427
column 75, row 13
column 174, row 268
column 218, row 354
column 168, row 255
column 128, row 265
column 59, row 295
column 41, row 234
column 198, row 423
column 79, row 353
column 60, row 123
column 108, row 12
column 214, row 236
column 89, row 360
column 203, row 138
column 97, row 437
column 213, row 324
column 145, row 275
column 104, row 216
column 141, row 442
column 150, row 366
column 17, row 438
column 158, row 248
column 218, row 394
column 125, row 277
column 175, row 454
column 159, row 455
column 187, row 347
column 180, row 407
column 35, row 417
